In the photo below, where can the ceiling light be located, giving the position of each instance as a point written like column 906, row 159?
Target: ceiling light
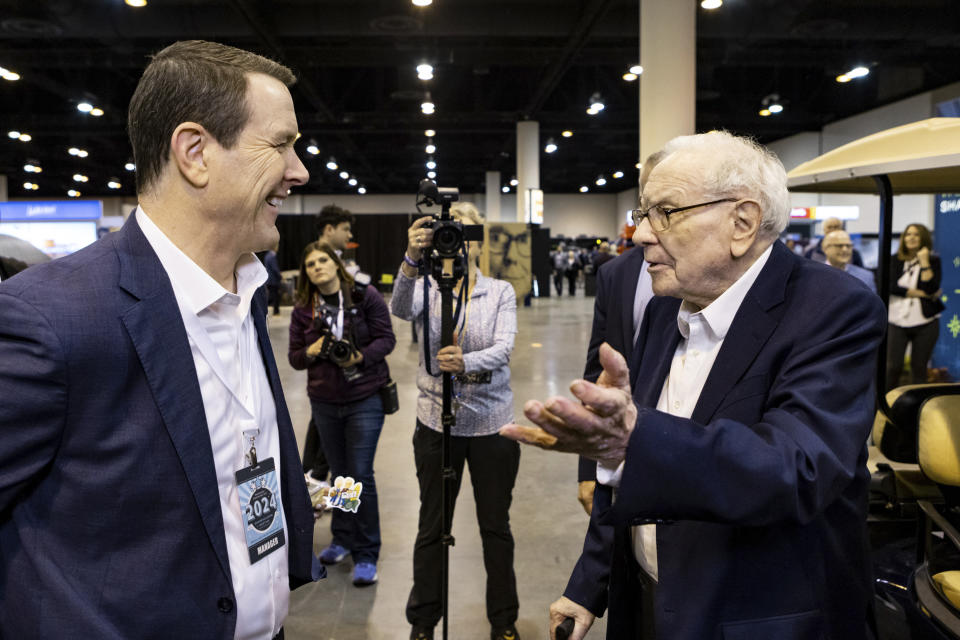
column 332, row 164
column 551, row 146
column 629, row 77
column 352, row 182
column 431, row 174
column 596, row 104
column 130, row 166
column 313, row 149
column 636, row 166
column 136, row 3
column 25, row 137
column 85, row 107
column 6, row 74
column 601, row 181
column 73, row 193
column 431, row 164
column 13, row 134
column 764, row 112
column 584, row 189
column 771, row 104
column 514, row 182
column 567, row 133
column 344, row 175
column 776, row 108
column 858, row 72
column 844, row 78
column 427, row 108
column 114, row 184
column 425, row 71
column 30, row 186
column 429, row 133
column 636, row 69
column 422, row 3
column 618, row 174
column 32, row 168
column 711, row 4
column 79, row 177
column 430, row 148
column 361, row 190
column 96, row 112
column 505, row 189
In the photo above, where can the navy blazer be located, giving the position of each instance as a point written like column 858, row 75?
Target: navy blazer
column 110, row 520
column 612, row 322
column 761, row 495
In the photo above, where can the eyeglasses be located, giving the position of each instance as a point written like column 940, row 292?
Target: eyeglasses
column 660, row 216
column 839, row 246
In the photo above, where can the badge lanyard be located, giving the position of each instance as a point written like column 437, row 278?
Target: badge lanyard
column 337, row 327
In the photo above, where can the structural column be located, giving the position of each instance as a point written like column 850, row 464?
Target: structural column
column 668, row 85
column 528, row 165
column 493, row 196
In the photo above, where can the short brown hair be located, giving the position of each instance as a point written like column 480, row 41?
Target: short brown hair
column 926, row 240
column 306, row 289
column 192, row 81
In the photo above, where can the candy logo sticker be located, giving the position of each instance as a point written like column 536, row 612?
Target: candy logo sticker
column 344, row 494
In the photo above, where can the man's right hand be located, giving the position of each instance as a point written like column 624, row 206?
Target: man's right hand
column 566, row 608
column 585, row 495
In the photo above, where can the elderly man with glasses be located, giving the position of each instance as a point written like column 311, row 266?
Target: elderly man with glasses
column 731, row 455
column 838, row 248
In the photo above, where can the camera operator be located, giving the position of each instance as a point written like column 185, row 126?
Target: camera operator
column 340, row 333
column 485, row 323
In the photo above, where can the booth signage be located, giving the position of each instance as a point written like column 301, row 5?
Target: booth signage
column 53, row 211
column 946, row 244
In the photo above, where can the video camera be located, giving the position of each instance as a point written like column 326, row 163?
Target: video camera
column 449, row 235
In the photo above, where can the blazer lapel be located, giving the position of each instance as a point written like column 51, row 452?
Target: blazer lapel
column 160, row 340
column 628, row 295
column 654, row 353
column 750, row 330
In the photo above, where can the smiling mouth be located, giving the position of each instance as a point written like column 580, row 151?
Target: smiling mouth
column 275, row 201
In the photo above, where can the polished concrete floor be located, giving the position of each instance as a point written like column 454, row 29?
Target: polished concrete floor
column 547, row 521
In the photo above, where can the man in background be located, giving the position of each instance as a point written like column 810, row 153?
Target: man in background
column 816, row 251
column 838, row 250
column 149, row 477
column 274, row 278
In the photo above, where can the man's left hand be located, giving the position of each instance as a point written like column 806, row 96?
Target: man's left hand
column 597, row 427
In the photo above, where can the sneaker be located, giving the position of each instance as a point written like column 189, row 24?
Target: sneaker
column 364, row 574
column 421, row 633
column 506, row 633
column 333, row 554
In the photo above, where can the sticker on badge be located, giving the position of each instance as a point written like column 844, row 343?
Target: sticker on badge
column 344, row 494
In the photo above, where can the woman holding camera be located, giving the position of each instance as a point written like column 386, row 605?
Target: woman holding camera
column 485, row 323
column 915, row 305
column 340, row 332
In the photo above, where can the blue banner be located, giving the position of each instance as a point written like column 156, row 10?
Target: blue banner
column 946, row 243
column 29, row 211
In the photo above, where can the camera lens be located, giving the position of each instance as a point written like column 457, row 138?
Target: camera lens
column 447, row 240
column 340, row 351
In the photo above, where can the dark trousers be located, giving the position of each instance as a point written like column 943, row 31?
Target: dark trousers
column 558, row 281
column 314, row 462
column 349, row 433
column 273, row 297
column 922, row 340
column 494, row 462
column 572, row 281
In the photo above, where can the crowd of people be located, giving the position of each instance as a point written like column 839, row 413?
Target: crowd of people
column 724, row 473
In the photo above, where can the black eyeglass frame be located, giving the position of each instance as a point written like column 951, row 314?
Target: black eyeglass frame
column 669, row 212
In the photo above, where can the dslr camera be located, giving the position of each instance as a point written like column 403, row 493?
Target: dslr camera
column 337, row 351
column 448, row 234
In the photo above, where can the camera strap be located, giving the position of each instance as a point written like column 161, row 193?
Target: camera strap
column 426, row 320
column 335, row 326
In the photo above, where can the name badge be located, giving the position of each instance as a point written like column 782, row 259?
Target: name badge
column 262, row 509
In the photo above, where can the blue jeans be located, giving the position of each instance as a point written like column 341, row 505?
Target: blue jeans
column 349, row 434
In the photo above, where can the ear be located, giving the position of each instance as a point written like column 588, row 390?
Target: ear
column 747, row 217
column 188, row 146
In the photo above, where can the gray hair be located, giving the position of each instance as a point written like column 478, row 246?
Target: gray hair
column 741, row 167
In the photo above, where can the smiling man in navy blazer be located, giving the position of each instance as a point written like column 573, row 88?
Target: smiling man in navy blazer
column 735, row 477
column 150, row 485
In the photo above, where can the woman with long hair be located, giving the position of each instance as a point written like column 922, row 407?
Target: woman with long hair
column 341, row 333
column 914, row 305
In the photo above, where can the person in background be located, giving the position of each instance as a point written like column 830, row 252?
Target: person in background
column 815, row 251
column 603, row 255
column 559, row 258
column 141, row 406
column 571, row 269
column 839, row 250
column 736, row 442
column 914, row 306
column 480, row 361
column 274, row 278
column 341, row 334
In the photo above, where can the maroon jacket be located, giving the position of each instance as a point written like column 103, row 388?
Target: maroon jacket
column 368, row 322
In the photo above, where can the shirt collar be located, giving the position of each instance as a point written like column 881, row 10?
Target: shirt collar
column 719, row 314
column 196, row 288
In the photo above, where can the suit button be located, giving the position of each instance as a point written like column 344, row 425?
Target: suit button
column 225, row 605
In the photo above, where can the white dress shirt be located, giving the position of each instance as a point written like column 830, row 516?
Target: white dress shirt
column 702, row 334
column 238, row 403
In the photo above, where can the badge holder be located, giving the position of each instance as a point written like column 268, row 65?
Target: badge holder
column 262, row 510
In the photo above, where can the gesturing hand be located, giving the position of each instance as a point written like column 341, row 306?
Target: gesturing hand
column 597, row 427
